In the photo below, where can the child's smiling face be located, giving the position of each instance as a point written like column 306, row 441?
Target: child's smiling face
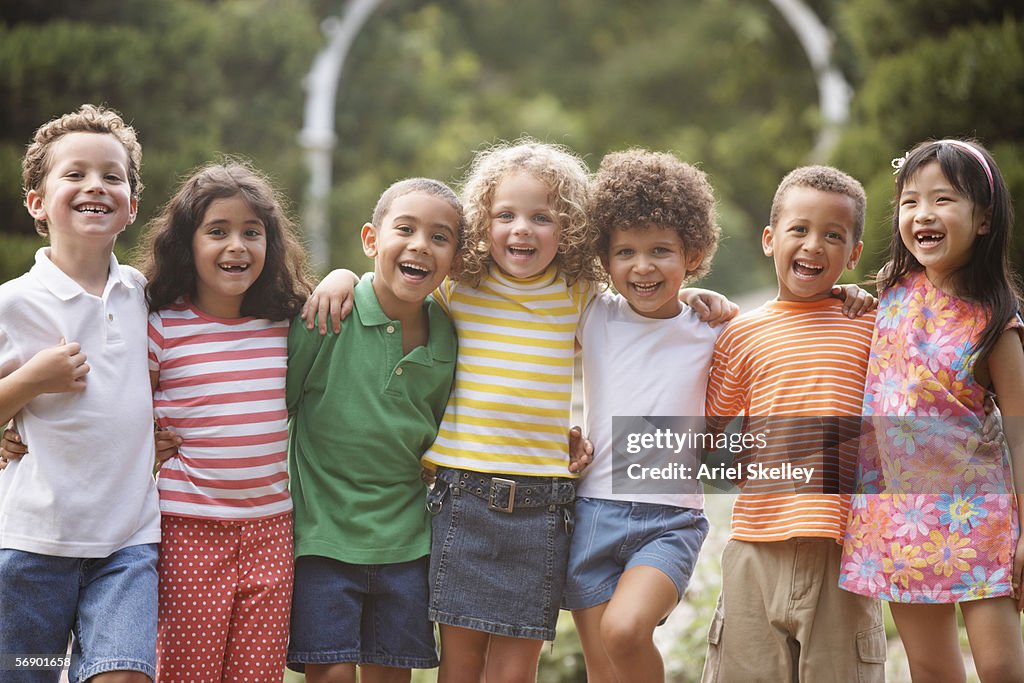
column 812, row 242
column 229, row 249
column 86, row 193
column 413, row 249
column 938, row 224
column 524, row 226
column 648, row 265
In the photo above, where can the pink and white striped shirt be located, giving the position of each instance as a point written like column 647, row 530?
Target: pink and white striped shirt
column 222, row 389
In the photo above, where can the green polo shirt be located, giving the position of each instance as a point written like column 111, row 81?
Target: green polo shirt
column 361, row 413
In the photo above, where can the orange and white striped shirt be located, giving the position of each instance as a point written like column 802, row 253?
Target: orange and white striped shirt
column 222, row 389
column 797, row 360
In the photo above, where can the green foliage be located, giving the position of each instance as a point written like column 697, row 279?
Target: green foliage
column 939, row 76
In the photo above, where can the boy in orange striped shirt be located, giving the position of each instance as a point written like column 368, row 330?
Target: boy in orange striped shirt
column 781, row 615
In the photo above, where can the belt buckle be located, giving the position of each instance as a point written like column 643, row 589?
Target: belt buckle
column 491, row 505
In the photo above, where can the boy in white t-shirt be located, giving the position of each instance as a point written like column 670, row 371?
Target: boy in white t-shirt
column 645, row 354
column 79, row 521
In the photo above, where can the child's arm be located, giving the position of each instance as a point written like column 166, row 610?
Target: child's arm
column 332, row 299
column 711, row 307
column 856, row 301
column 1006, row 368
column 55, row 370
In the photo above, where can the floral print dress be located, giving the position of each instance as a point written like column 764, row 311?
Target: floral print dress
column 933, row 518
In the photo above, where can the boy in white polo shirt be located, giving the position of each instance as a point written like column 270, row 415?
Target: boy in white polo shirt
column 79, row 521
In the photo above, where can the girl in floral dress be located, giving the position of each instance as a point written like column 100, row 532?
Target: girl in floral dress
column 935, row 521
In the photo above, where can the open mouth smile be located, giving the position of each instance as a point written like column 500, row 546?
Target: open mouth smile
column 807, row 269
column 95, row 209
column 414, row 270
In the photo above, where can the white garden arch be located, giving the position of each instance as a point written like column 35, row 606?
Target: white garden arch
column 318, row 138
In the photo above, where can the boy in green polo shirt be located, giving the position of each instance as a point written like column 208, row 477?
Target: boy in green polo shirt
column 364, row 404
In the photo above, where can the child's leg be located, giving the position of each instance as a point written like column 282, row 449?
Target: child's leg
column 197, row 571
column 512, row 660
column 330, row 673
column 38, row 598
column 643, row 598
column 258, row 638
column 469, row 656
column 463, row 654
column 930, row 638
column 993, row 627
column 373, row 673
column 117, row 615
column 588, row 627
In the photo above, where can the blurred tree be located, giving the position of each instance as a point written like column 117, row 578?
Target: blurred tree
column 941, row 68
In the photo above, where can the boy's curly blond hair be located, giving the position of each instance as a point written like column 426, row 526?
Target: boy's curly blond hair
column 88, row 119
column 566, row 176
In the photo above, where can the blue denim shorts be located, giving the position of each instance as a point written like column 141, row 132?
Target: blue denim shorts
column 494, row 571
column 108, row 603
column 360, row 614
column 611, row 536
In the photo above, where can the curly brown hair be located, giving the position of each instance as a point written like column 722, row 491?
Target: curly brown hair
column 166, row 248
column 638, row 189
column 824, row 179
column 567, row 177
column 88, row 119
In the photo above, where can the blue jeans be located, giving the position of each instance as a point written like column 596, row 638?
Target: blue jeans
column 108, row 603
column 612, row 536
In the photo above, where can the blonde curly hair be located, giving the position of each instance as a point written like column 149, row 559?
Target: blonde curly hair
column 567, row 177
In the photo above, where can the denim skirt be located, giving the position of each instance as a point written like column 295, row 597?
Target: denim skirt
column 499, row 571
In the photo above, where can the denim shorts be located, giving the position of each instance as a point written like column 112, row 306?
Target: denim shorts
column 108, row 603
column 360, row 614
column 493, row 571
column 611, row 536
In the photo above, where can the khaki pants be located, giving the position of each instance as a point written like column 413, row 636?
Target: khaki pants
column 782, row 617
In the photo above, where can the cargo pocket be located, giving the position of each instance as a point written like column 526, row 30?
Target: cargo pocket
column 871, row 650
column 713, row 660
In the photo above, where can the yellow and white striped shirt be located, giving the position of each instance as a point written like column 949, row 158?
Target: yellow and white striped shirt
column 509, row 408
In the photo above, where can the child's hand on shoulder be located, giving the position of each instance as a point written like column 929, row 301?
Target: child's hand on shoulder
column 710, row 307
column 331, row 299
column 856, row 301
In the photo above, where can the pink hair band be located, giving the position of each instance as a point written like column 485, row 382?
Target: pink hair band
column 976, row 153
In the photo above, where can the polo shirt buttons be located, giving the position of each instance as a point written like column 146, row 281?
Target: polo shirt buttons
column 398, row 371
column 391, row 329
column 110, row 317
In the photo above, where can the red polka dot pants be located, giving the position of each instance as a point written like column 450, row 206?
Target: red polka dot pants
column 225, row 600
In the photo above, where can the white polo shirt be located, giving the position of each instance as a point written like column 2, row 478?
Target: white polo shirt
column 86, row 487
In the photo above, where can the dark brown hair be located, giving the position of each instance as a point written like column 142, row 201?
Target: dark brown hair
column 637, row 189
column 167, row 260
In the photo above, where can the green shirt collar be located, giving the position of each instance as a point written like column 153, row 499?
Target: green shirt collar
column 441, row 344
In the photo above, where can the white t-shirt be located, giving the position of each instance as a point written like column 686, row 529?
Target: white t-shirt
column 637, row 366
column 86, row 487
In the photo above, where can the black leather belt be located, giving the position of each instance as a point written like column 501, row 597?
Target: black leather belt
column 506, row 493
